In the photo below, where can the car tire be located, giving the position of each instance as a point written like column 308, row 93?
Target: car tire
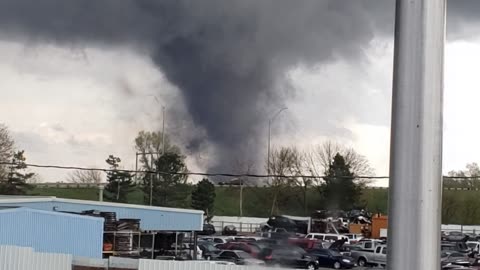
column 337, row 265
column 311, row 266
column 362, row 262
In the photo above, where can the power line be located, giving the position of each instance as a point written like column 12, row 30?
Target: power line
column 213, row 174
column 184, row 173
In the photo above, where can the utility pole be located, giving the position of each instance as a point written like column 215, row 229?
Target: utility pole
column 241, row 196
column 269, row 137
column 416, row 136
column 163, row 130
column 151, row 179
column 268, row 150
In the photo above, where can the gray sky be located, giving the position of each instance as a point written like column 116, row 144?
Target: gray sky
column 74, row 100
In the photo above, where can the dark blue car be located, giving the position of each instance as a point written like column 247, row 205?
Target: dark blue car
column 331, row 258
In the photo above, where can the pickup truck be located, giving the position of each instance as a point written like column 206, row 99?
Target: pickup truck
column 368, row 257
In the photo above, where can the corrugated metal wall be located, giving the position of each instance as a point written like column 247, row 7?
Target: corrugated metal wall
column 151, row 219
column 18, row 258
column 52, row 232
column 194, row 265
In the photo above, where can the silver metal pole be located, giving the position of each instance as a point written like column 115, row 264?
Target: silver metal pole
column 163, row 130
column 153, row 245
column 151, row 179
column 268, row 147
column 136, row 167
column 100, row 192
column 241, row 196
column 176, row 243
column 416, row 140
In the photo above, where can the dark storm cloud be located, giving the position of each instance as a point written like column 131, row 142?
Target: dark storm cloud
column 228, row 58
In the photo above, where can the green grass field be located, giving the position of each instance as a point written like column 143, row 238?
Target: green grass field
column 257, row 201
column 459, row 207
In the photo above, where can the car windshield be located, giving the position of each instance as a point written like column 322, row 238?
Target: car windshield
column 297, row 249
column 210, row 248
column 472, row 245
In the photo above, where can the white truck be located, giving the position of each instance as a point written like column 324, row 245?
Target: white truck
column 367, row 257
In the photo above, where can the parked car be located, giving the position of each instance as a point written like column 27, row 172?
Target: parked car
column 229, row 230
column 217, row 239
column 353, row 238
column 326, row 237
column 238, row 257
column 474, row 246
column 366, row 257
column 289, row 224
column 209, row 251
column 249, row 248
column 186, row 248
column 277, row 233
column 331, row 258
column 208, row 229
column 471, row 236
column 454, row 258
column 456, row 237
column 455, row 246
column 282, row 222
column 288, row 256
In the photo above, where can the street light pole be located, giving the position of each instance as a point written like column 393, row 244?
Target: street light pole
column 268, row 150
column 163, row 130
column 269, row 136
column 416, row 141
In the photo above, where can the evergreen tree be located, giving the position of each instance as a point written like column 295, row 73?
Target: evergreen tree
column 16, row 182
column 340, row 190
column 168, row 184
column 119, row 183
column 203, row 197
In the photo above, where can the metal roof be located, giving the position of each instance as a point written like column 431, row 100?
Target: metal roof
column 152, row 217
column 31, row 199
column 11, row 209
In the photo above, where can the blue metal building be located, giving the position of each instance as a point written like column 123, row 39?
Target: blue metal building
column 152, row 217
column 48, row 231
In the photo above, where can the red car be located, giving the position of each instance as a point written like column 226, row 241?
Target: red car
column 248, row 247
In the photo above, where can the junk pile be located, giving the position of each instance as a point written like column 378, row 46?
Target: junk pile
column 339, row 221
column 121, row 237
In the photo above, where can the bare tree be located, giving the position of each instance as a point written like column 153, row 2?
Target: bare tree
column 85, row 177
column 150, row 145
column 283, row 168
column 457, row 178
column 6, row 149
column 302, row 179
column 320, row 159
column 35, row 179
column 243, row 167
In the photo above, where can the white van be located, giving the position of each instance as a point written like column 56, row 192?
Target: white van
column 353, row 238
column 327, row 237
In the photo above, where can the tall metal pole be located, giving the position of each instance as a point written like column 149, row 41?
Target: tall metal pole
column 269, row 135
column 151, row 179
column 268, row 148
column 416, row 140
column 241, row 196
column 163, row 130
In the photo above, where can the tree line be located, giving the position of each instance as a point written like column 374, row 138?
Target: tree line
column 335, row 185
